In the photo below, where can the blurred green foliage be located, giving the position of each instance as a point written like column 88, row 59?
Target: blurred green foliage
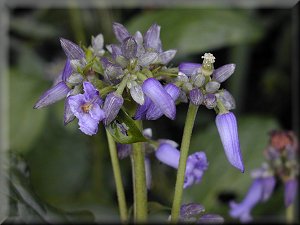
column 71, row 171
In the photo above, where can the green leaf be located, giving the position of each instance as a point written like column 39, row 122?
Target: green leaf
column 221, row 176
column 26, row 123
column 124, row 129
column 197, row 30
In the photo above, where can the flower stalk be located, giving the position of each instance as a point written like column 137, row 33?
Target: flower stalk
column 118, row 178
column 139, row 180
column 185, row 144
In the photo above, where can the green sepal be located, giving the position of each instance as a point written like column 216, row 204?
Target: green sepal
column 124, row 130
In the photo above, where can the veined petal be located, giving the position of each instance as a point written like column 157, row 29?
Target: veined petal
column 223, row 73
column 147, row 58
column 87, row 124
column 136, row 93
column 90, row 92
column 97, row 113
column 160, row 97
column 290, row 190
column 168, row 155
column 120, row 31
column 112, row 105
column 71, row 50
column 228, row 131
column 189, row 68
column 75, row 103
column 196, row 96
column 68, row 114
column 151, row 38
column 129, row 48
column 142, row 109
column 167, row 56
column 54, row 94
column 67, row 70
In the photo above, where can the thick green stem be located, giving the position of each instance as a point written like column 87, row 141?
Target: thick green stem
column 185, row 144
column 139, row 181
column 117, row 176
column 290, row 214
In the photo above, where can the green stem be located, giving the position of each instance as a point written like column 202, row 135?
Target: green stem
column 139, row 181
column 117, row 176
column 290, row 214
column 185, row 144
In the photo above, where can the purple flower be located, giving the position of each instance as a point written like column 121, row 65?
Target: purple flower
column 196, row 96
column 223, row 73
column 195, row 166
column 228, row 131
column 189, row 68
column 86, row 107
column 120, row 32
column 159, row 100
column 259, row 190
column 71, row 50
column 112, row 105
column 290, row 191
column 152, row 38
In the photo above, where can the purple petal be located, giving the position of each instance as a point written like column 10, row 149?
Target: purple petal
column 75, row 104
column 290, row 190
column 54, row 94
column 129, row 48
column 87, row 124
column 189, row 68
column 142, row 110
column 154, row 112
column 211, row 218
column 112, row 105
column 116, row 51
column 67, row 70
column 167, row 56
column 152, row 39
column 210, row 100
column 190, row 210
column 120, row 31
column 90, row 92
column 68, row 114
column 71, row 50
column 124, row 150
column 223, row 73
column 168, row 155
column 228, row 131
column 97, row 113
column 269, row 185
column 155, row 91
column 148, row 172
column 196, row 96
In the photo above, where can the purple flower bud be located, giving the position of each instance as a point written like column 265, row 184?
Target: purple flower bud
column 227, row 99
column 67, row 70
column 154, row 112
column 129, row 48
column 196, row 96
column 168, row 155
column 68, row 114
column 112, row 105
column 160, row 97
column 190, row 210
column 152, row 39
column 189, row 68
column 211, row 219
column 210, row 101
column 228, row 131
column 112, row 72
column 290, row 191
column 223, row 73
column 120, row 31
column 124, row 150
column 147, row 58
column 54, row 94
column 165, row 57
column 71, row 50
column 212, row 86
column 142, row 109
column 86, row 107
column 115, row 51
column 148, row 172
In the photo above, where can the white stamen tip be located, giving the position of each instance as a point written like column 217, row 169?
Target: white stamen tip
column 209, row 57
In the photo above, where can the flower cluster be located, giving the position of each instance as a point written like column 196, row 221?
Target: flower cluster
column 281, row 162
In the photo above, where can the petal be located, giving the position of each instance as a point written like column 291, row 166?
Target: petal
column 212, row 86
column 129, row 48
column 211, row 218
column 223, row 73
column 97, row 44
column 90, row 92
column 167, row 56
column 168, row 155
column 67, row 70
column 68, row 114
column 87, row 124
column 116, row 51
column 226, row 98
column 189, row 68
column 54, row 94
column 228, row 131
column 210, row 101
column 155, row 91
column 290, row 190
column 151, row 38
column 147, row 58
column 196, row 96
column 97, row 113
column 71, row 50
column 75, row 104
column 124, row 150
column 112, row 105
column 120, row 31
column 136, row 93
column 268, row 187
column 142, row 109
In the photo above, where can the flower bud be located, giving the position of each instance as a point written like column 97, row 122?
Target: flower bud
column 136, row 92
column 198, row 80
column 227, row 99
column 210, row 101
column 75, row 78
column 212, row 86
column 152, row 39
column 112, row 105
column 120, row 32
column 223, row 73
column 147, row 58
column 97, row 44
column 71, row 50
column 196, row 96
column 129, row 48
column 189, row 68
column 165, row 57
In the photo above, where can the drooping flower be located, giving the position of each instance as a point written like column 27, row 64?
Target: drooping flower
column 159, row 100
column 86, row 107
column 195, row 166
column 112, row 105
column 260, row 190
column 228, row 131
